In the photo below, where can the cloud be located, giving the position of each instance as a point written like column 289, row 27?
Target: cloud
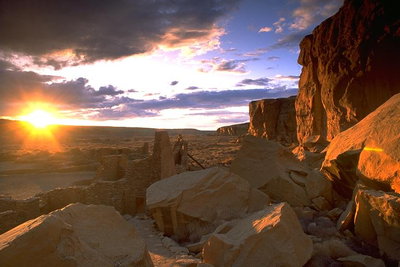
column 258, row 82
column 278, row 25
column 192, row 88
column 231, row 65
column 78, row 97
column 313, row 11
column 265, row 29
column 73, row 31
column 173, row 83
column 108, row 91
column 287, row 77
column 273, row 58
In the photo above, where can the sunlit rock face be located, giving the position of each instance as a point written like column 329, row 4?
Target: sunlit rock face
column 191, row 204
column 77, row 235
column 233, row 130
column 274, row 119
column 369, row 151
column 350, row 65
column 272, row 236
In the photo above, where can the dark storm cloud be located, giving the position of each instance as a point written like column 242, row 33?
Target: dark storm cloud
column 258, row 82
column 173, row 83
column 110, row 29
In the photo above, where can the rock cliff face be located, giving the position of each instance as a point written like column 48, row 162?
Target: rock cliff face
column 236, row 129
column 350, row 67
column 274, row 119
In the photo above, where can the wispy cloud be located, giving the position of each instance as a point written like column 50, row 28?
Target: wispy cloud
column 279, row 25
column 265, row 29
column 257, row 82
column 273, row 58
column 231, row 65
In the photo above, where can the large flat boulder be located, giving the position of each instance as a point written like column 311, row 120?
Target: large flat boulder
column 273, row 169
column 192, row 204
column 377, row 220
column 77, row 235
column 350, row 67
column 369, row 151
column 270, row 237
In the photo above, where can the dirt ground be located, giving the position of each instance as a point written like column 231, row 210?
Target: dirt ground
column 28, row 170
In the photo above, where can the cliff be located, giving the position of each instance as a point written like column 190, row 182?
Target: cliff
column 274, row 119
column 236, row 129
column 350, row 65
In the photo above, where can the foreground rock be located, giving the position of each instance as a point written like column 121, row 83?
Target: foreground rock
column 350, row 67
column 274, row 119
column 274, row 170
column 271, row 236
column 233, row 130
column 377, row 220
column 192, row 204
column 77, row 235
column 369, row 151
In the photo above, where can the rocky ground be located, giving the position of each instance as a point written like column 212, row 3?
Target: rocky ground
column 26, row 172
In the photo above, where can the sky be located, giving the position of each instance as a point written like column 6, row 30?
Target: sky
column 151, row 63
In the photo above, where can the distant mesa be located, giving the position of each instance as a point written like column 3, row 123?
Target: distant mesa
column 234, row 130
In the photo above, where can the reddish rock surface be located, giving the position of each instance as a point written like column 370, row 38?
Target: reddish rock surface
column 350, row 67
column 273, row 119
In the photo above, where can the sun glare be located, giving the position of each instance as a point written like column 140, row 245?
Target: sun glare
column 39, row 118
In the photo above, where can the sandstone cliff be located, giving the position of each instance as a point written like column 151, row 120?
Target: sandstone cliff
column 273, row 119
column 236, row 129
column 350, row 67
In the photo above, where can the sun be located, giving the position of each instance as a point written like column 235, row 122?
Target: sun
column 39, row 118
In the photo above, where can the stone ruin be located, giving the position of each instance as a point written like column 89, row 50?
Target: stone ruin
column 120, row 182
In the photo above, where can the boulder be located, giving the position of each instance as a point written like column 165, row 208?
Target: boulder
column 272, row 236
column 233, row 130
column 77, row 235
column 369, row 151
column 273, row 169
column 377, row 220
column 350, row 67
column 361, row 260
column 274, row 119
column 192, row 204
